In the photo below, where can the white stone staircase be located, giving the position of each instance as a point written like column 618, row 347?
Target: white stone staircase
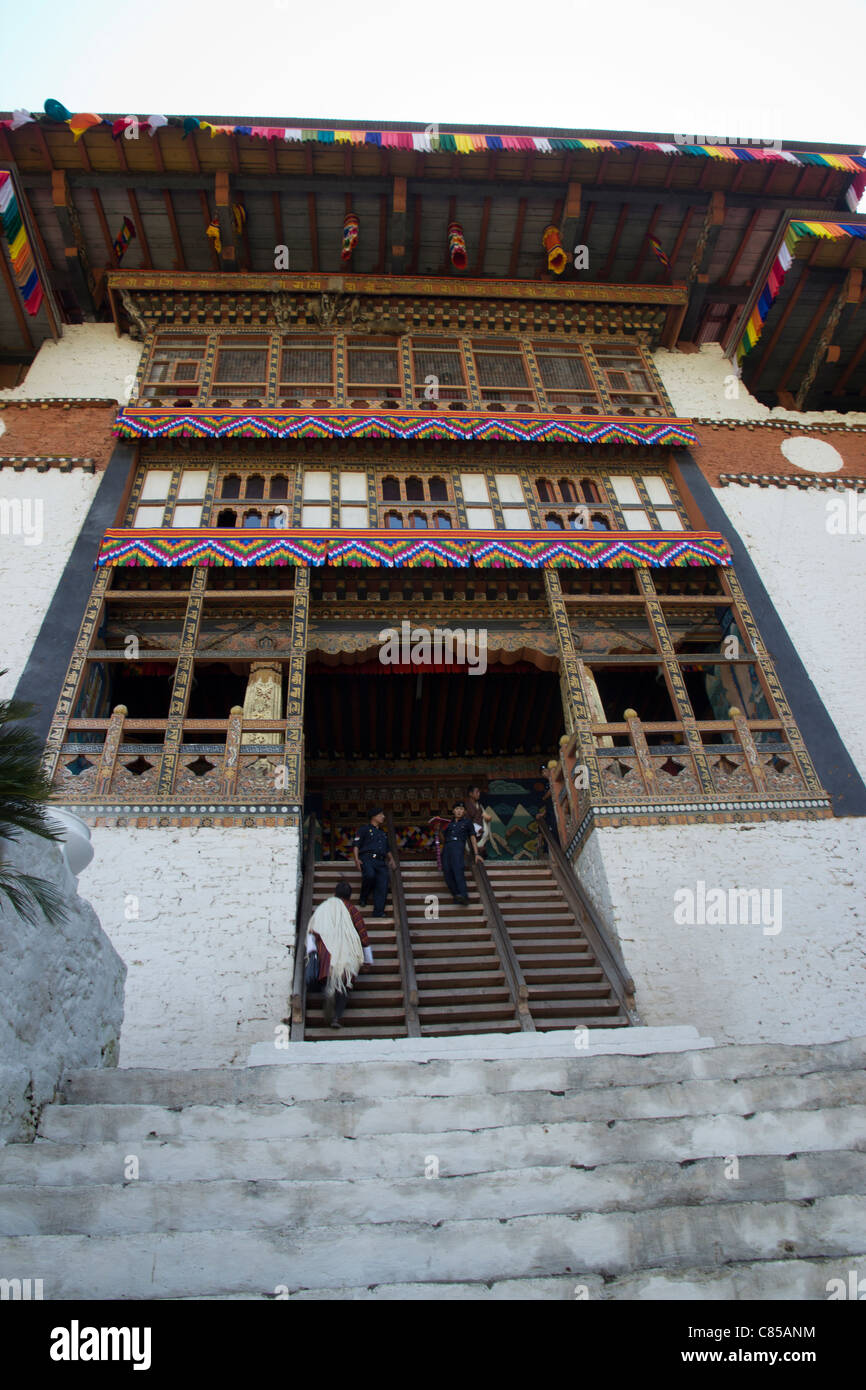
column 600, row 1176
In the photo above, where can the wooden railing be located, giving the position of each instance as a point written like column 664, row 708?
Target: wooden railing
column 405, row 954
column 305, row 912
column 510, row 964
column 599, row 937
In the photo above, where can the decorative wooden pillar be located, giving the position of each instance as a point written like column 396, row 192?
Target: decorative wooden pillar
column 747, row 743
column 294, row 747
column 792, row 733
column 181, row 687
column 108, row 757
column 642, row 753
column 682, row 704
column 263, row 698
column 232, row 753
column 572, row 672
column 69, row 692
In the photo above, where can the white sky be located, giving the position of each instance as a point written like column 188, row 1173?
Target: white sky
column 745, row 68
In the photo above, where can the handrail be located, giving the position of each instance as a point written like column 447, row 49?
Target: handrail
column 597, row 934
column 510, row 964
column 405, row 954
column 305, row 911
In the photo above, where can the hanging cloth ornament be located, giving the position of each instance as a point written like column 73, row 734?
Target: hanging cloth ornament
column 239, row 217
column 156, row 122
column 57, row 111
column 85, row 121
column 20, row 118
column 457, row 246
column 213, row 231
column 350, row 235
column 123, row 238
column 190, row 123
column 556, row 257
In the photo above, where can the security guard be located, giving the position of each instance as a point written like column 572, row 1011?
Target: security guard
column 372, row 854
column 457, row 832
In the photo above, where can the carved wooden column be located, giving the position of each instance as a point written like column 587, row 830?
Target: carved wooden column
column 750, row 752
column 294, row 747
column 572, row 673
column 232, row 753
column 263, row 698
column 69, row 693
column 642, row 753
column 108, row 757
column 181, row 687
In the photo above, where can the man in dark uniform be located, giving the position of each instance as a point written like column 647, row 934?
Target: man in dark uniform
column 457, row 832
column 372, row 855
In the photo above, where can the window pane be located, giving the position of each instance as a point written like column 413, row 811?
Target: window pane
column 353, row 487
column 317, row 517
column 669, row 520
column 509, row 487
column 309, row 364
column 373, row 365
column 567, row 372
column 474, row 487
column 480, row 518
column 500, row 369
column 193, row 482
column 445, row 366
column 517, row 519
column 189, row 515
column 355, row 517
column 317, row 487
column 242, row 364
column 624, row 489
column 156, row 484
column 637, row 520
column 443, row 521
column 658, row 491
column 149, row 516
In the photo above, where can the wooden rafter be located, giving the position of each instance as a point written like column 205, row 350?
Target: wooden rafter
column 777, row 331
column 668, row 274
column 111, row 254
column 139, row 228
column 205, row 212
column 816, row 319
column 383, row 234
column 314, row 230
column 399, row 225
column 845, row 306
column 731, row 268
column 645, row 244
column 517, row 238
column 416, row 233
column 180, row 259
column 604, row 274
column 480, row 251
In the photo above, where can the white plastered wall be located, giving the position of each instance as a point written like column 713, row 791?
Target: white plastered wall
column 704, row 385
column 41, row 515
column 89, row 362
column 203, row 918
column 737, row 982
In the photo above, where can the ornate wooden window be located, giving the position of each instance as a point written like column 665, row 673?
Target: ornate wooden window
column 231, row 485
column 394, row 521
column 567, row 377
column 255, row 486
column 278, row 489
column 544, row 489
column 501, row 370
column 439, row 375
column 552, row 522
column 419, row 521
column 159, row 505
column 655, row 509
column 414, row 490
column 307, row 368
column 628, row 379
column 566, row 490
column 512, row 500
column 438, row 489
column 241, row 369
column 175, row 369
column 442, row 521
column 390, row 489
column 373, row 368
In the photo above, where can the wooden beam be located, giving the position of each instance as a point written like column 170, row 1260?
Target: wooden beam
column 806, row 338
column 698, row 276
column 74, row 248
column 518, row 237
column 645, row 244
column 139, row 227
column 110, row 252
column 156, row 149
column 398, row 226
column 180, row 259
column 383, row 235
column 478, row 266
column 681, row 236
column 846, row 304
column 731, row 268
column 570, row 217
column 856, row 358
column 222, row 202
column 314, row 230
column 777, row 331
column 205, row 212
column 604, row 274
column 277, row 206
column 416, row 233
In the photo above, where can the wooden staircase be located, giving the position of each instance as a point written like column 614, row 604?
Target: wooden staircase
column 520, row 957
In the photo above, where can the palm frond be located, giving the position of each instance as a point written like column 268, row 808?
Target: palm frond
column 30, row 896
column 24, row 788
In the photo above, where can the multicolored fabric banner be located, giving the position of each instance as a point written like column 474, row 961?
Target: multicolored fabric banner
column 18, row 245
column 387, row 550
column 139, row 422
column 432, row 140
column 794, row 233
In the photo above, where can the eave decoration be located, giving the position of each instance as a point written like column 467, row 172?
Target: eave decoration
column 390, row 550
column 136, row 422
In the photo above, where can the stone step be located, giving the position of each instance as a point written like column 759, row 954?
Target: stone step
column 400, row 1074
column 226, row 1204
column 626, row 1105
column 184, row 1264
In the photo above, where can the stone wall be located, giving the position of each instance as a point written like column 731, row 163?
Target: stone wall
column 41, row 515
column 61, row 993
column 203, row 918
column 746, row 981
column 89, row 361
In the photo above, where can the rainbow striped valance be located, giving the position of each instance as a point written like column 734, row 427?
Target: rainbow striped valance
column 433, row 140
column 18, row 246
column 390, row 550
column 794, row 233
column 140, row 422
